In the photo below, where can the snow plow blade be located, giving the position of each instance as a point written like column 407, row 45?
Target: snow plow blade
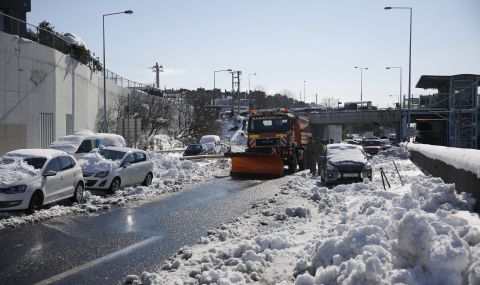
column 255, row 163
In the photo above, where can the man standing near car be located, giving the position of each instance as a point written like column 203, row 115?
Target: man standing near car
column 321, row 155
column 310, row 156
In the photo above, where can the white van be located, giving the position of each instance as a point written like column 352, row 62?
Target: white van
column 213, row 144
column 83, row 141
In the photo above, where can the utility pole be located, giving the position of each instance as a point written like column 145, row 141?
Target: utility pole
column 316, row 100
column 157, row 69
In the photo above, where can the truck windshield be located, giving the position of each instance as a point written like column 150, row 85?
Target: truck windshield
column 269, row 124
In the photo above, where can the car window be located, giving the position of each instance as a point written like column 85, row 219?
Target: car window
column 85, row 146
column 67, row 162
column 140, row 156
column 36, row 162
column 130, row 158
column 53, row 165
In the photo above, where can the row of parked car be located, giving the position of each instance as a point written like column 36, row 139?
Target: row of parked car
column 31, row 178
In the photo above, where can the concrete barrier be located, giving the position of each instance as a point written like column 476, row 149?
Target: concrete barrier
column 465, row 181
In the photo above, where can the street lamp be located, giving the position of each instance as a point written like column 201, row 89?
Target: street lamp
column 409, row 68
column 304, row 93
column 399, row 95
column 215, row 71
column 361, row 80
column 105, row 126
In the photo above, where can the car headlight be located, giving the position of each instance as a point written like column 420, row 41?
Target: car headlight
column 102, row 174
column 331, row 167
column 368, row 166
column 14, row 189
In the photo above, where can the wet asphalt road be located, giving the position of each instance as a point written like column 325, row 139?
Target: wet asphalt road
column 105, row 247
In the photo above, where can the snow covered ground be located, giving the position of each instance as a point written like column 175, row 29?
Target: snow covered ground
column 419, row 233
column 170, row 175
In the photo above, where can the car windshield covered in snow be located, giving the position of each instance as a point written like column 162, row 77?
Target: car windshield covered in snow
column 345, row 153
column 269, row 124
column 112, row 154
column 35, row 162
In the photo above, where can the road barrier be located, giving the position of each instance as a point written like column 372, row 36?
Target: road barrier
column 207, row 156
column 465, row 181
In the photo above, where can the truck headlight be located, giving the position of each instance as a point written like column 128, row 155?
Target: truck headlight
column 102, row 174
column 14, row 189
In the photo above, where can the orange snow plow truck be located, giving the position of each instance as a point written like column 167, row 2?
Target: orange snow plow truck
column 275, row 139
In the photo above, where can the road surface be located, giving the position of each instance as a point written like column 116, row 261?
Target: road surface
column 105, row 247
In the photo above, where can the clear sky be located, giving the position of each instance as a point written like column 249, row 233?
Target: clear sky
column 284, row 42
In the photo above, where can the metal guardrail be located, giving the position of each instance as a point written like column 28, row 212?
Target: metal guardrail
column 20, row 28
column 207, row 156
column 170, row 151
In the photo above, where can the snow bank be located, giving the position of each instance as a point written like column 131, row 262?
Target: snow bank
column 420, row 233
column 460, row 158
column 170, row 175
column 163, row 142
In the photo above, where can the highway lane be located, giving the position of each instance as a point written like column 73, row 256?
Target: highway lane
column 104, row 247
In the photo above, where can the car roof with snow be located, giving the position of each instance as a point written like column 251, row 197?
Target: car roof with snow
column 124, row 149
column 35, row 153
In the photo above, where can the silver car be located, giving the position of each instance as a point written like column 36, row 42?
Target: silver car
column 111, row 168
column 31, row 178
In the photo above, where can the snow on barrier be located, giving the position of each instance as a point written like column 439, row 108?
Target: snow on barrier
column 454, row 165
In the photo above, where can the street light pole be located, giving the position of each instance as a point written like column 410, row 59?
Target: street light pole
column 250, row 96
column 105, row 124
column 304, row 93
column 215, row 71
column 399, row 95
column 409, row 68
column 361, row 80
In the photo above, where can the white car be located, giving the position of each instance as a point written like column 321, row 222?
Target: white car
column 83, row 141
column 31, row 178
column 110, row 168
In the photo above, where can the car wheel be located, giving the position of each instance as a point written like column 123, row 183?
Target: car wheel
column 115, row 185
column 148, row 180
column 36, row 202
column 78, row 195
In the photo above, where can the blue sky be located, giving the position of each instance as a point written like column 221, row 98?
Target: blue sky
column 284, row 42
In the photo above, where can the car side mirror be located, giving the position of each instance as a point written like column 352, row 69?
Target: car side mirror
column 50, row 173
column 126, row 164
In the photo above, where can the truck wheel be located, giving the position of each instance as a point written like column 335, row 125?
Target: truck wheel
column 292, row 164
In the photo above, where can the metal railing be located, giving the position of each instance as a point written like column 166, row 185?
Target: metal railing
column 52, row 39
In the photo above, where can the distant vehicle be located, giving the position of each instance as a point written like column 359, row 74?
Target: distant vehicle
column 385, row 144
column 195, row 149
column 345, row 163
column 111, row 168
column 73, row 39
column 82, row 142
column 372, row 146
column 31, row 178
column 212, row 142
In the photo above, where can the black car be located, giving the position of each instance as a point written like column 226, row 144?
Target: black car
column 372, row 146
column 345, row 163
column 195, row 149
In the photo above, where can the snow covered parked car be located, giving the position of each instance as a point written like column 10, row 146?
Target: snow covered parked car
column 82, row 142
column 110, row 168
column 31, row 178
column 196, row 149
column 212, row 143
column 345, row 163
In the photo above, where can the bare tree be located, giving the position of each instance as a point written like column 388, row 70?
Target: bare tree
column 288, row 93
column 329, row 102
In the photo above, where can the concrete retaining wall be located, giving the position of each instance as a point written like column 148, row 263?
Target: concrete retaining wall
column 36, row 79
column 465, row 181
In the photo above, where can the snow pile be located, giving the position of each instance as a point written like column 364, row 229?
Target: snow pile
column 164, row 142
column 14, row 170
column 68, row 144
column 460, row 158
column 170, row 175
column 420, row 233
column 93, row 162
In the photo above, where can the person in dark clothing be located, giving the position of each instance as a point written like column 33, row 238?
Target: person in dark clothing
column 310, row 156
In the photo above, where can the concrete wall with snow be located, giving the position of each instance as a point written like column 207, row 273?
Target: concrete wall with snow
column 454, row 165
column 38, row 79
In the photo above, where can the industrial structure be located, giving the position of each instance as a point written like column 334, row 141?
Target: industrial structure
column 448, row 117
